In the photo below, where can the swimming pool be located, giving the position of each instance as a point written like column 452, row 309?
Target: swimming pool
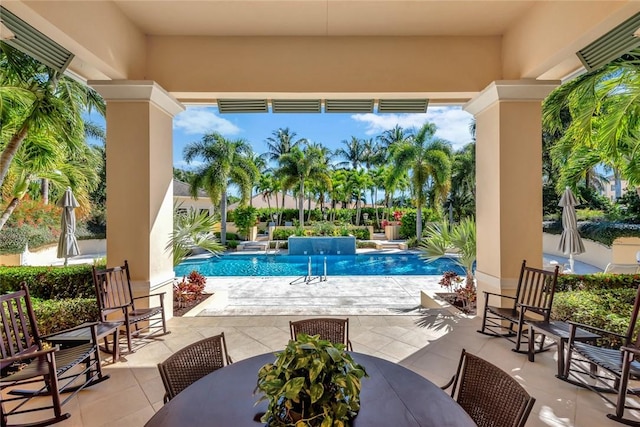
column 337, row 265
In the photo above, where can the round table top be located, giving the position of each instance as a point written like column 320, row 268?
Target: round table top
column 392, row 395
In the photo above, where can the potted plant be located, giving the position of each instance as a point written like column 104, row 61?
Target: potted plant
column 311, row 383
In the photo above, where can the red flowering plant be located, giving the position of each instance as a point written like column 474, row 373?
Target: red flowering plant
column 397, row 216
column 189, row 289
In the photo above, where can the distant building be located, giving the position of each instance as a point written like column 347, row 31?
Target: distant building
column 610, row 188
column 183, row 199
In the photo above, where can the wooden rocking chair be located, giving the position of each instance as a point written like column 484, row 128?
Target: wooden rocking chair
column 607, row 368
column 534, row 296
column 116, row 302
column 25, row 361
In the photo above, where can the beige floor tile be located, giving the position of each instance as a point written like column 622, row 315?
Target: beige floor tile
column 114, row 406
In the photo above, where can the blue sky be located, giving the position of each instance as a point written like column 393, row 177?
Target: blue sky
column 326, row 128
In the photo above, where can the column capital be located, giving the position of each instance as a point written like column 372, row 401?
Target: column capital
column 137, row 90
column 511, row 90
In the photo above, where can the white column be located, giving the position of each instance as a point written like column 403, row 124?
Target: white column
column 508, row 180
column 140, row 181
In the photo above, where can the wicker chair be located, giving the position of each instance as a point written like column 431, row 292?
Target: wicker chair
column 116, row 302
column 43, row 372
column 191, row 363
column 534, row 295
column 490, row 396
column 606, row 368
column 334, row 330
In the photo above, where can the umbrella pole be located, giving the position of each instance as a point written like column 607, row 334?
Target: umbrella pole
column 571, row 263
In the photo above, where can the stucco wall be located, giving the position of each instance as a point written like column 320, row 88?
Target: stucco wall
column 47, row 255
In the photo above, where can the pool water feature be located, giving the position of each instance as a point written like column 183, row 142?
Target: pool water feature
column 336, row 265
column 320, row 245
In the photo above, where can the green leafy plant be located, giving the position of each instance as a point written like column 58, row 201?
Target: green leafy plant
column 441, row 238
column 245, row 218
column 312, row 383
column 192, row 230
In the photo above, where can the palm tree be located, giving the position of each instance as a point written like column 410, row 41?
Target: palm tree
column 225, row 162
column 428, row 161
column 281, row 142
column 358, row 181
column 463, row 181
column 298, row 166
column 604, row 123
column 353, row 153
column 37, row 99
column 391, row 137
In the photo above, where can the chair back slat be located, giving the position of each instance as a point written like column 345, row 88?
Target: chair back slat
column 333, row 330
column 113, row 288
column 489, row 395
column 633, row 334
column 536, row 289
column 191, row 363
column 19, row 329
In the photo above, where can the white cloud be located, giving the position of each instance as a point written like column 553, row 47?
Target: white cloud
column 200, row 120
column 452, row 123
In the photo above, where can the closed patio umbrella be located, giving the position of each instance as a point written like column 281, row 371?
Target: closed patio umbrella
column 570, row 240
column 68, row 244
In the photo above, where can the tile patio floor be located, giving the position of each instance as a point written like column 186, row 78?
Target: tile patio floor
column 428, row 344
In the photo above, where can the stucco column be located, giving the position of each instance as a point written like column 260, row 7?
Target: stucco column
column 140, row 181
column 508, row 181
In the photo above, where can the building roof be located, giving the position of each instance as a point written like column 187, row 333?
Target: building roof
column 181, row 189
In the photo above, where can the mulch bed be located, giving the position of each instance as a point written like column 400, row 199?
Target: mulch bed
column 180, row 311
column 453, row 299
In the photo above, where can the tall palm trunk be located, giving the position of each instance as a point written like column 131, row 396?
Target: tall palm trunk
column 223, row 217
column 11, row 149
column 301, row 204
column 419, row 223
column 44, row 190
column 8, row 211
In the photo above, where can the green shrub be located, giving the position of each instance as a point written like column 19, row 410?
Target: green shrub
column 12, row 240
column 360, row 244
column 74, row 281
column 585, row 282
column 361, row 233
column 232, row 244
column 607, row 232
column 598, row 231
column 56, row 315
column 283, row 233
column 608, row 309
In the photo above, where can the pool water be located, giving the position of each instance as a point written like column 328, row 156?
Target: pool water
column 300, row 265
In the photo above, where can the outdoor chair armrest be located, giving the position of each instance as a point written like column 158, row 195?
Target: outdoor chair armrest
column 594, row 329
column 159, row 294
column 527, row 306
column 486, row 293
column 633, row 350
column 31, row 355
column 86, row 325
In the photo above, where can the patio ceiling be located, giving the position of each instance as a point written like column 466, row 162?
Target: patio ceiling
column 324, row 55
column 324, row 17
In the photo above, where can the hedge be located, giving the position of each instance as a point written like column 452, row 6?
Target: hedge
column 585, row 282
column 56, row 315
column 74, row 281
column 598, row 231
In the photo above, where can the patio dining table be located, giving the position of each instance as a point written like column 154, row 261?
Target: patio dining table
column 392, row 395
